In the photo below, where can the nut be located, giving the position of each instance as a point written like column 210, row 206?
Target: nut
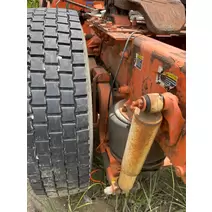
column 124, row 108
column 109, row 24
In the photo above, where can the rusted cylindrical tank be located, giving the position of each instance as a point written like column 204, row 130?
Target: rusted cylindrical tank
column 143, row 130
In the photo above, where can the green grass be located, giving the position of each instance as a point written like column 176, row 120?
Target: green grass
column 161, row 191
column 32, row 3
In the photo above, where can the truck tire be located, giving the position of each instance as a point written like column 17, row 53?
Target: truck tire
column 59, row 105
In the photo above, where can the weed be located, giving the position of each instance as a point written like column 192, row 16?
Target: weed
column 78, row 206
column 32, row 3
column 161, row 191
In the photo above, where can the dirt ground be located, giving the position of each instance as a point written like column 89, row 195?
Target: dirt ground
column 37, row 204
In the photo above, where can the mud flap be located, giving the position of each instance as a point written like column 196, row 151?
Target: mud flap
column 162, row 16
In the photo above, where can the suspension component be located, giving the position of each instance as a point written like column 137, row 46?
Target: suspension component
column 172, row 138
column 143, row 130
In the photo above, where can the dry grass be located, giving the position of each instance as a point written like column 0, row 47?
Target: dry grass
column 161, row 191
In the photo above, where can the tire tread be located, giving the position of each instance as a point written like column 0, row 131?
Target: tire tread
column 56, row 140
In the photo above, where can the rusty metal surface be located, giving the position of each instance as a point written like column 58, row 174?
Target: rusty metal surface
column 157, row 59
column 177, row 155
column 100, row 91
column 171, row 135
column 162, row 16
column 143, row 130
column 148, row 67
column 125, row 5
column 173, row 115
column 101, row 87
column 119, row 27
column 62, row 4
column 111, row 57
column 114, row 166
column 117, row 33
column 120, row 34
column 99, row 75
column 93, row 45
column 160, row 60
column 79, row 5
column 119, row 20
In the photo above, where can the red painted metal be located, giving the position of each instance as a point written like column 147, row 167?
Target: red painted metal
column 93, row 45
column 114, row 166
column 62, row 4
column 157, row 57
column 99, row 75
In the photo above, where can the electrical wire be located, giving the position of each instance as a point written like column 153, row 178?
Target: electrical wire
column 117, row 71
column 93, row 180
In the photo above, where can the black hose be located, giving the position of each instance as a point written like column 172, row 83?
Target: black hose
column 117, row 71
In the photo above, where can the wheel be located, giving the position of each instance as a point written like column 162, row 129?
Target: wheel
column 59, row 105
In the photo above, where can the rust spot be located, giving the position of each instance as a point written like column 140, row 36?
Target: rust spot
column 162, row 17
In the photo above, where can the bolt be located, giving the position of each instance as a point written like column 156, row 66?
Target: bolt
column 124, row 108
column 134, row 22
column 124, row 89
column 126, row 54
column 109, row 24
column 179, row 171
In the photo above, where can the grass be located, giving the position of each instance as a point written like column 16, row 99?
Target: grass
column 160, row 191
column 32, row 3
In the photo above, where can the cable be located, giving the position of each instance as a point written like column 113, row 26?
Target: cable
column 117, row 71
column 93, row 180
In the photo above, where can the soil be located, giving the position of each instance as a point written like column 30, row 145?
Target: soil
column 42, row 204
